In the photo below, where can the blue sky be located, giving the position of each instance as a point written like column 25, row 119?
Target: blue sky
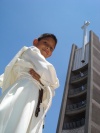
column 23, row 20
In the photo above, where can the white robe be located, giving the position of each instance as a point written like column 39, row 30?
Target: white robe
column 19, row 99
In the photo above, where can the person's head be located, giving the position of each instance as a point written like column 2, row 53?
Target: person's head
column 46, row 43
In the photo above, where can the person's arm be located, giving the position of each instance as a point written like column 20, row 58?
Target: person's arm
column 45, row 71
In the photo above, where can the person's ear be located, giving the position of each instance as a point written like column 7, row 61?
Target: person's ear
column 35, row 42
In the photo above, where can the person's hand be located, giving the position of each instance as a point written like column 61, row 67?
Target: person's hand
column 35, row 75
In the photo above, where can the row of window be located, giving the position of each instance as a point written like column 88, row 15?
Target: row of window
column 76, row 106
column 75, row 124
column 77, row 90
column 78, row 76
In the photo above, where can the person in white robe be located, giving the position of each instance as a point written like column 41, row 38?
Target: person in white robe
column 24, row 76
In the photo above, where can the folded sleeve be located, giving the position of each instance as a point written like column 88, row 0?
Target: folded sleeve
column 1, row 80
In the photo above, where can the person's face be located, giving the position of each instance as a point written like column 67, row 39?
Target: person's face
column 45, row 45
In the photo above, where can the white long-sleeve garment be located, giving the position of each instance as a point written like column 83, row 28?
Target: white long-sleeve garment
column 19, row 99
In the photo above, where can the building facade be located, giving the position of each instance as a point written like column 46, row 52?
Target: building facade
column 80, row 108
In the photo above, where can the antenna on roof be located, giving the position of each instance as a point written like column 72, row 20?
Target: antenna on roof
column 86, row 23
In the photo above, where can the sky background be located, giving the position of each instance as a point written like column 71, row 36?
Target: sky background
column 23, row 20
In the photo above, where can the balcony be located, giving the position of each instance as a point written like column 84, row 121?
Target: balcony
column 74, row 124
column 79, row 77
column 77, row 91
column 76, row 108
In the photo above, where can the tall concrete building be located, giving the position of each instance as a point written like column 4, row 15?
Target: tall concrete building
column 80, row 108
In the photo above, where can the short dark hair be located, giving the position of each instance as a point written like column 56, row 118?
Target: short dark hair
column 48, row 35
